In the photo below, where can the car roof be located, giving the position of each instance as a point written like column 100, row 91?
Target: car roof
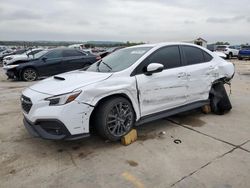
column 162, row 44
column 64, row 48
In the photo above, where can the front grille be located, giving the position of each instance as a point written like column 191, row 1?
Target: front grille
column 26, row 103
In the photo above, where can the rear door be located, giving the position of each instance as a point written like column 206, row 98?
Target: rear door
column 163, row 90
column 200, row 72
column 73, row 60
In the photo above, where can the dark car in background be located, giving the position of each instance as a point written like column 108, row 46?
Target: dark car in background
column 48, row 63
column 244, row 52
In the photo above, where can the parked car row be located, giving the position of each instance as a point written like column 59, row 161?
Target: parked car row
column 231, row 51
column 17, row 57
column 31, row 64
column 44, row 63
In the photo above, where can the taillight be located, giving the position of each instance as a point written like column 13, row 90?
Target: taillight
column 98, row 57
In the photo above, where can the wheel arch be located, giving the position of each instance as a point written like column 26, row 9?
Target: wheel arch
column 223, row 80
column 27, row 67
column 108, row 97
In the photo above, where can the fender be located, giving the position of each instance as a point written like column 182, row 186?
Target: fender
column 131, row 96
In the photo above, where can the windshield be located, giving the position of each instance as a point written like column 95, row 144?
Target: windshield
column 39, row 54
column 119, row 60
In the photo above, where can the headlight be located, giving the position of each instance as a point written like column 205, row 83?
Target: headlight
column 63, row 98
column 10, row 66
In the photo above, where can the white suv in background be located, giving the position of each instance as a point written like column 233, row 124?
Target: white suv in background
column 229, row 51
column 127, row 88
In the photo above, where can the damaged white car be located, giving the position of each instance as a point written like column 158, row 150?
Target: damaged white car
column 130, row 87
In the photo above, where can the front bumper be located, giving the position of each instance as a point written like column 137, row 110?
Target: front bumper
column 51, row 130
column 10, row 74
column 69, row 121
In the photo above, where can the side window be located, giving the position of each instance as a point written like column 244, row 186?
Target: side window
column 193, row 55
column 34, row 52
column 232, row 47
column 30, row 53
column 168, row 56
column 72, row 53
column 54, row 54
column 207, row 57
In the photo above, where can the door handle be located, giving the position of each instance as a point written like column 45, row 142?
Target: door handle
column 210, row 67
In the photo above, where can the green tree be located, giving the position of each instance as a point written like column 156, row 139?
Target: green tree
column 222, row 43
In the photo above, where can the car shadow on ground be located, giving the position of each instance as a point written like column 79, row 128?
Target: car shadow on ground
column 94, row 144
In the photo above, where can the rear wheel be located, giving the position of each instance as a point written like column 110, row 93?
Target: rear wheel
column 219, row 101
column 29, row 74
column 114, row 118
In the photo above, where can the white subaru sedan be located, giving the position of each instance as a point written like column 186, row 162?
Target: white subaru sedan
column 127, row 88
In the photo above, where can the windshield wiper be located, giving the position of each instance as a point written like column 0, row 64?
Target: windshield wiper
column 107, row 65
column 98, row 66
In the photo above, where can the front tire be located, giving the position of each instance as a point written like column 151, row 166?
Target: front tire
column 114, row 118
column 29, row 74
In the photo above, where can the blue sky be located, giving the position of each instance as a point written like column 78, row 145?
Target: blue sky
column 125, row 20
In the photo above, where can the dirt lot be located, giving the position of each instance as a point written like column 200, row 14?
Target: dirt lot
column 214, row 150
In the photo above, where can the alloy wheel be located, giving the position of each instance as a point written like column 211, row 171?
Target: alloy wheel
column 29, row 75
column 119, row 119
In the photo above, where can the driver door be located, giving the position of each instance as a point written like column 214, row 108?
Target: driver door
column 51, row 63
column 164, row 90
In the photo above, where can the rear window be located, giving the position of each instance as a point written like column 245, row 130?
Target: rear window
column 207, row 57
column 193, row 55
column 72, row 53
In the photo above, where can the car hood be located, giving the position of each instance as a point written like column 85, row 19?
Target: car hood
column 17, row 62
column 16, row 56
column 68, row 82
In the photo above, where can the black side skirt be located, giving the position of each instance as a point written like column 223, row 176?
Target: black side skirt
column 170, row 112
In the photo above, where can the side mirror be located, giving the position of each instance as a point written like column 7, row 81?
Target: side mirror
column 44, row 59
column 154, row 68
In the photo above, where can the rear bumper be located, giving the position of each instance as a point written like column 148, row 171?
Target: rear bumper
column 50, row 129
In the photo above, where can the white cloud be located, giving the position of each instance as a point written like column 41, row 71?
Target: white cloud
column 136, row 20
